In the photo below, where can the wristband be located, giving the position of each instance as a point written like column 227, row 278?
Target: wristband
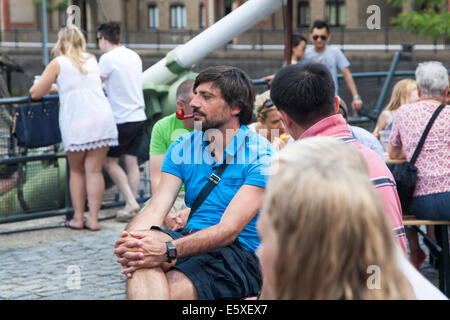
column 357, row 97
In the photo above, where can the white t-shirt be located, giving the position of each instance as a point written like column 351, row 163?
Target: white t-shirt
column 122, row 69
column 423, row 289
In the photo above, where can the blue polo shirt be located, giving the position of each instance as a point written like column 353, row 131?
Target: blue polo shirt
column 190, row 159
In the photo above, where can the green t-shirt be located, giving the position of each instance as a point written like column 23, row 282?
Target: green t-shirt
column 166, row 131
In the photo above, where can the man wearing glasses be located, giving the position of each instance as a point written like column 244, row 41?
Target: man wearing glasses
column 332, row 58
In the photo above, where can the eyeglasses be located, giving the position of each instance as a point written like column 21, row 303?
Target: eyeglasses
column 323, row 38
column 98, row 38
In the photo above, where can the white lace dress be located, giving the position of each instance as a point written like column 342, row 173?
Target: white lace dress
column 86, row 120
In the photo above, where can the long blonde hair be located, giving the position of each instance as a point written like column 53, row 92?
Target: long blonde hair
column 71, row 43
column 400, row 94
column 331, row 230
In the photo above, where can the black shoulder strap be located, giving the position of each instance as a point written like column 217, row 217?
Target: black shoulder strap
column 425, row 133
column 213, row 180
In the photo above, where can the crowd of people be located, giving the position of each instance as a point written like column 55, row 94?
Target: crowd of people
column 297, row 205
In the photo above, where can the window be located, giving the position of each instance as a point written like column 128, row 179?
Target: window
column 303, row 17
column 153, row 19
column 177, row 16
column 335, row 10
column 201, row 17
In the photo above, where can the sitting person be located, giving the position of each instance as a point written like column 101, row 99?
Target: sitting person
column 322, row 237
column 220, row 237
column 361, row 134
column 305, row 97
column 269, row 123
column 431, row 197
column 404, row 92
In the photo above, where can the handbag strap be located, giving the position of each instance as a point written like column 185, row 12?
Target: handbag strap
column 425, row 133
column 213, row 181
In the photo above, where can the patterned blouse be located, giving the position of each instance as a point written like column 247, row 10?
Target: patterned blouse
column 433, row 162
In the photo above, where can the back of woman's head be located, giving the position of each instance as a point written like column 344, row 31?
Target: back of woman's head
column 330, row 224
column 331, row 230
column 72, row 44
column 401, row 93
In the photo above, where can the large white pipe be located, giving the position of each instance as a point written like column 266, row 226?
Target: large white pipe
column 216, row 36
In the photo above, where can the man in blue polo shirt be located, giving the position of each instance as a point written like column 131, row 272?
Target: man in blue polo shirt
column 214, row 256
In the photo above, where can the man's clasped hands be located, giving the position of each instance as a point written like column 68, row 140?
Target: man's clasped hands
column 141, row 249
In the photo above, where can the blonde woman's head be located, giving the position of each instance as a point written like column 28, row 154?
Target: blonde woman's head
column 72, row 44
column 404, row 92
column 324, row 229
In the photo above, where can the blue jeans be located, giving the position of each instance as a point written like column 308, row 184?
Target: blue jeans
column 431, row 207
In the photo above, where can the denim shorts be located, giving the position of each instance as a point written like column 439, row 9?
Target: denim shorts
column 431, row 207
column 225, row 273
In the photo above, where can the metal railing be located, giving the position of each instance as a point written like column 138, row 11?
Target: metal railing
column 34, row 183
column 386, row 38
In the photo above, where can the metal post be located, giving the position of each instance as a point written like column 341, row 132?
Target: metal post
column 288, row 32
column 44, row 33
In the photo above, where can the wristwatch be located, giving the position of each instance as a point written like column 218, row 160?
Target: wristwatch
column 357, row 97
column 171, row 251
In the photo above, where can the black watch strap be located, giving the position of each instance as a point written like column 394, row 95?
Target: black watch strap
column 171, row 251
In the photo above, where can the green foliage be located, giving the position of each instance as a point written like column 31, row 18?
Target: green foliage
column 431, row 21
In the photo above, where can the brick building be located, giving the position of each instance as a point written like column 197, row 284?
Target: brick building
column 141, row 19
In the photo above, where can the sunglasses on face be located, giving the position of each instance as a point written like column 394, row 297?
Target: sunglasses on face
column 323, row 38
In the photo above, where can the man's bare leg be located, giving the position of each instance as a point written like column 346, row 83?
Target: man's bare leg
column 148, row 284
column 181, row 287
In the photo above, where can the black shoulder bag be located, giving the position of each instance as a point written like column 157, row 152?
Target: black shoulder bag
column 213, row 181
column 37, row 125
column 405, row 174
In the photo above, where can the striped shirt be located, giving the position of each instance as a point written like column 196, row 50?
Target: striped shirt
column 336, row 126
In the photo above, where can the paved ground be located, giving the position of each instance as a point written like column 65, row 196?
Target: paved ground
column 59, row 263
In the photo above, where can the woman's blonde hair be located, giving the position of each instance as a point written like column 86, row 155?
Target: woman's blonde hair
column 71, row 43
column 400, row 94
column 263, row 104
column 332, row 231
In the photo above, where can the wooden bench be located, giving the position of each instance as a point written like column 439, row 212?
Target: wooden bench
column 441, row 251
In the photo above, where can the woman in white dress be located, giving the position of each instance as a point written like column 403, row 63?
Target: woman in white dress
column 86, row 121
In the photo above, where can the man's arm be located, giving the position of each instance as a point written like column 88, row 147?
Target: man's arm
column 241, row 210
column 357, row 102
column 396, row 152
column 156, row 161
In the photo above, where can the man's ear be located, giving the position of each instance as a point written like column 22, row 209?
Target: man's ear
column 336, row 104
column 288, row 123
column 179, row 104
column 235, row 109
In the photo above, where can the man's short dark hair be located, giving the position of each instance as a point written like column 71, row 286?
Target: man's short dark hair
column 235, row 86
column 110, row 31
column 319, row 24
column 304, row 92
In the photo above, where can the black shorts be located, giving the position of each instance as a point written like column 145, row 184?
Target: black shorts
column 225, row 273
column 130, row 135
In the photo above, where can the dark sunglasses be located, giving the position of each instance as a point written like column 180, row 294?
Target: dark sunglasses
column 323, row 38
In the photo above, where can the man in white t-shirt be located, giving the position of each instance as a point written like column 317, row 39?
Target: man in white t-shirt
column 121, row 72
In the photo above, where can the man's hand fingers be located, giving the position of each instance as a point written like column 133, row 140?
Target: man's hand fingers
column 133, row 255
